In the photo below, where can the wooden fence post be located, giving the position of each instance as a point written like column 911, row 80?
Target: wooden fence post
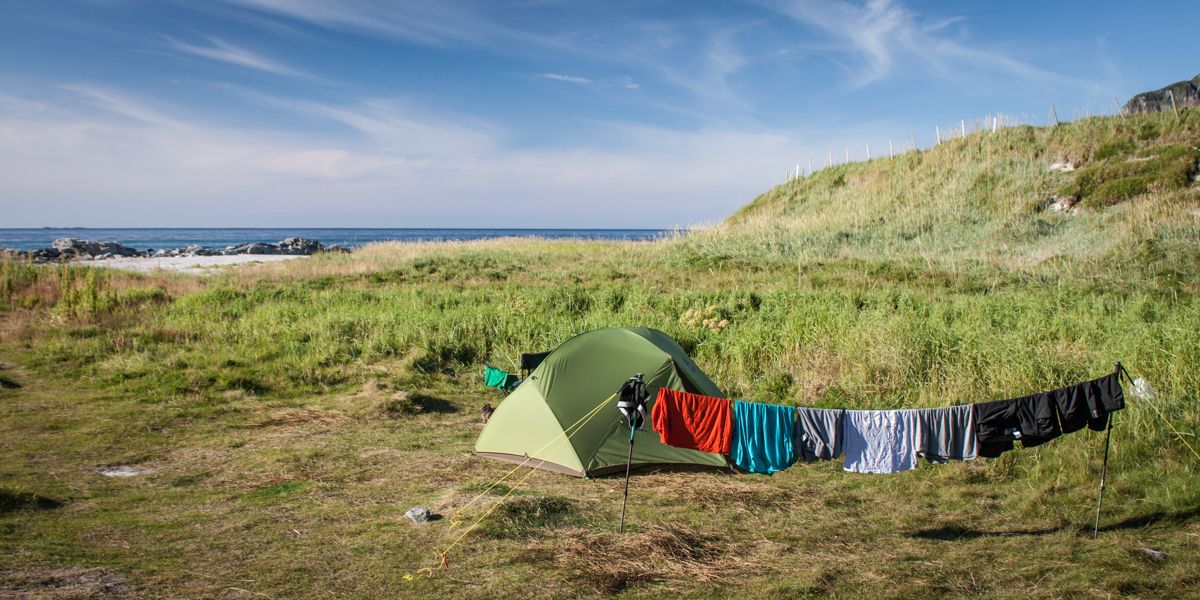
column 1055, row 113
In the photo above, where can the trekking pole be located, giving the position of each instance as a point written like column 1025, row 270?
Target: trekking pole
column 1104, row 465
column 632, row 404
column 628, row 464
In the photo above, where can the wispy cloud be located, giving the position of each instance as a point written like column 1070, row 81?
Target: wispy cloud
column 885, row 37
column 567, row 78
column 624, row 82
column 430, row 23
column 117, row 103
column 222, row 51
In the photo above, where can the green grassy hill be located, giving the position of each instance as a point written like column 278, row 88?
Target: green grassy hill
column 279, row 419
column 987, row 198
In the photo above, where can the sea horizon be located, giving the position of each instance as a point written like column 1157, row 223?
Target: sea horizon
column 155, row 238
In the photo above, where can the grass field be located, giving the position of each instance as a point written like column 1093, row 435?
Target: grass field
column 281, row 418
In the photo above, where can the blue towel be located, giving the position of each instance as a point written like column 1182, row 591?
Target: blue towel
column 762, row 437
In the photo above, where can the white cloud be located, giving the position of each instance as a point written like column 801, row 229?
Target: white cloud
column 135, row 164
column 567, row 78
column 222, row 51
column 887, row 38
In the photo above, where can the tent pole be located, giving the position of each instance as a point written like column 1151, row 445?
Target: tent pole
column 628, row 463
column 1104, row 465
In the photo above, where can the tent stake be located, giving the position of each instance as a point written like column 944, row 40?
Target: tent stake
column 628, row 463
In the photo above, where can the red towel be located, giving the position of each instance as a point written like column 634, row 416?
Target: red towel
column 687, row 420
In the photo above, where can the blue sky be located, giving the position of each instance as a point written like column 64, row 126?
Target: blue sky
column 507, row 114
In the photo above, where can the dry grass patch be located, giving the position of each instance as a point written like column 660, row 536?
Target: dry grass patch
column 611, row 562
column 718, row 492
column 309, row 415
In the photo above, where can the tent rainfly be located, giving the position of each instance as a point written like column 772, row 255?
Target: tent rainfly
column 573, row 380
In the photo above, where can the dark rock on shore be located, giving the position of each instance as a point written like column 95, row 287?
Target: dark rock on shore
column 1185, row 93
column 73, row 249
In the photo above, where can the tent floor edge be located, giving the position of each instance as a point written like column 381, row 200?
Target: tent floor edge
column 533, row 463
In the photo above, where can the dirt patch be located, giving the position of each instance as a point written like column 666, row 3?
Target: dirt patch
column 123, row 471
column 63, row 583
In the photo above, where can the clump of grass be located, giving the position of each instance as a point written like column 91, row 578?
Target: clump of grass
column 524, row 516
column 1123, row 174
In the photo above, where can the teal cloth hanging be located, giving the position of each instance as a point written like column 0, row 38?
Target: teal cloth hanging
column 499, row 378
column 763, row 437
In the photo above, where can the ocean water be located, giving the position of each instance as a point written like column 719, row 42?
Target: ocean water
column 143, row 239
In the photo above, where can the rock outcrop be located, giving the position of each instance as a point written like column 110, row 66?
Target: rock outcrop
column 73, row 249
column 1185, row 93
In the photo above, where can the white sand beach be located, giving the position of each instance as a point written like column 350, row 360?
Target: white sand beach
column 188, row 264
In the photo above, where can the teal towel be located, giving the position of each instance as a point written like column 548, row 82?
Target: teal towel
column 762, row 437
column 499, row 378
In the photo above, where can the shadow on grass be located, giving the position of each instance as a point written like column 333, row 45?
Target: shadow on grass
column 1161, row 517
column 652, row 469
column 954, row 532
column 11, row 501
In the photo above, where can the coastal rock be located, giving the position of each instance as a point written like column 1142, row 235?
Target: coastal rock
column 74, row 247
column 253, row 248
column 1185, row 93
column 296, row 245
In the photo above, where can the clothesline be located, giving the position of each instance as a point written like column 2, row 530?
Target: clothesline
column 765, row 438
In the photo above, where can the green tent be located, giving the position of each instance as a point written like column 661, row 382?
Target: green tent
column 575, row 378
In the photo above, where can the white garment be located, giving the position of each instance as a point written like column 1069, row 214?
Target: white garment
column 881, row 441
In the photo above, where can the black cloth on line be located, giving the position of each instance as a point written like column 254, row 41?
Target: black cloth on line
column 1089, row 403
column 996, row 426
column 1038, row 419
column 531, row 360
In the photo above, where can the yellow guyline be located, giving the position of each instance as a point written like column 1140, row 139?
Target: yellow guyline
column 567, row 434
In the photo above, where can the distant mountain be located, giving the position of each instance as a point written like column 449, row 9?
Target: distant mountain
column 1186, row 93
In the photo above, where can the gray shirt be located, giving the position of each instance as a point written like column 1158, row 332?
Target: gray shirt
column 818, row 433
column 947, row 433
column 880, row 441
